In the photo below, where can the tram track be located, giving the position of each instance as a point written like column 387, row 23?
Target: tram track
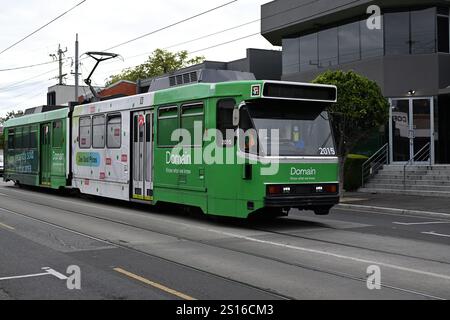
column 241, row 224
column 234, row 250
column 123, row 246
column 349, row 245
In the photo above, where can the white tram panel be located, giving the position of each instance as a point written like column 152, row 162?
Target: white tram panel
column 104, row 171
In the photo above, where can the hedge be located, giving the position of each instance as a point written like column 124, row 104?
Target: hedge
column 352, row 171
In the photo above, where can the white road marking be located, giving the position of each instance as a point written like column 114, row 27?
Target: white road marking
column 6, row 226
column 25, row 276
column 48, row 272
column 432, row 233
column 287, row 246
column 55, row 273
column 420, row 223
column 340, row 256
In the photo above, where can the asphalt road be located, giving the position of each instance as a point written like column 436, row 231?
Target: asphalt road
column 129, row 251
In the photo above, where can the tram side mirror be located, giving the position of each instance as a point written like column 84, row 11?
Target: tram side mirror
column 236, row 117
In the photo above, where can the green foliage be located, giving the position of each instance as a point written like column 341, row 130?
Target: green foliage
column 160, row 62
column 361, row 107
column 353, row 171
column 11, row 115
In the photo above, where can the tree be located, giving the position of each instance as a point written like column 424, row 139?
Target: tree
column 160, row 62
column 361, row 107
column 11, row 115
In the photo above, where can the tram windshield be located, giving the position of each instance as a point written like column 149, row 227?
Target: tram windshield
column 303, row 129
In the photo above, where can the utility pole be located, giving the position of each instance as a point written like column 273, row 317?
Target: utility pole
column 59, row 56
column 76, row 68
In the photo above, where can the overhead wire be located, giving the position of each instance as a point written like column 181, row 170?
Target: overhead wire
column 171, row 25
column 42, row 27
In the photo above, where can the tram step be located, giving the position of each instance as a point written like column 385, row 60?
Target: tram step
column 425, row 181
column 407, row 186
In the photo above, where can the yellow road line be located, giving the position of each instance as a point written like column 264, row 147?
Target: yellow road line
column 154, row 284
column 6, row 226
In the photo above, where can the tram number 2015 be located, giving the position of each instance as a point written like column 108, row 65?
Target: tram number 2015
column 327, row 151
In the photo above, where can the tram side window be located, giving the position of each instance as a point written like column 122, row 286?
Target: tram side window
column 18, row 138
column 85, row 136
column 225, row 109
column 147, row 128
column 33, row 137
column 58, row 134
column 167, row 124
column 26, row 137
column 114, row 131
column 98, row 132
column 11, row 139
column 192, row 115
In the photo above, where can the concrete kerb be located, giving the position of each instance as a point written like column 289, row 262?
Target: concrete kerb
column 385, row 210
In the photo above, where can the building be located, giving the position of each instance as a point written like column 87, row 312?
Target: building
column 258, row 64
column 408, row 57
column 116, row 90
column 61, row 94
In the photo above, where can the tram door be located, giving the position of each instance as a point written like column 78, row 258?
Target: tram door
column 142, row 188
column 46, row 151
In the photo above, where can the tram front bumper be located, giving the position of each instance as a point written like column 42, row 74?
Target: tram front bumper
column 301, row 201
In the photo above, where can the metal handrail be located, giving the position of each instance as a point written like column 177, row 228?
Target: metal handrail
column 375, row 163
column 427, row 148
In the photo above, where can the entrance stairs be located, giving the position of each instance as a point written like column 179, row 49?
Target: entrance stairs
column 420, row 180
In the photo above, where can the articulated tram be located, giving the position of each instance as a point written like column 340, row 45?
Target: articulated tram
column 230, row 149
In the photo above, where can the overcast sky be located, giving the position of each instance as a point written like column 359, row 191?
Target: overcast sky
column 102, row 24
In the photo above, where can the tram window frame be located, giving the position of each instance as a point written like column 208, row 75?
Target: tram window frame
column 85, row 146
column 101, row 131
column 191, row 129
column 224, row 121
column 109, row 141
column 161, row 132
column 57, row 134
column 11, row 138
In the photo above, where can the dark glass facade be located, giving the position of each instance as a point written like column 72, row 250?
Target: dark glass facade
column 421, row 31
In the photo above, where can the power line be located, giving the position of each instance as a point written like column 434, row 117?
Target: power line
column 199, row 38
column 28, row 66
column 172, row 25
column 213, row 34
column 192, row 40
column 18, row 84
column 40, row 28
column 227, row 42
column 34, row 88
column 185, row 42
column 207, row 48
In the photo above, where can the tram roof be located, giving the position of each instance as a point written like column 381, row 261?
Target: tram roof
column 178, row 94
column 37, row 118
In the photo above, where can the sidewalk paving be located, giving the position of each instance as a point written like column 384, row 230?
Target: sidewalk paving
column 398, row 204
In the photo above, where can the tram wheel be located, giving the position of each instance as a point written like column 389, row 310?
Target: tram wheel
column 322, row 211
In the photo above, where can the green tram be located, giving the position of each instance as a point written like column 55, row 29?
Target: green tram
column 231, row 149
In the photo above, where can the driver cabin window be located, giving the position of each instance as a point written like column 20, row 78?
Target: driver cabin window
column 225, row 126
